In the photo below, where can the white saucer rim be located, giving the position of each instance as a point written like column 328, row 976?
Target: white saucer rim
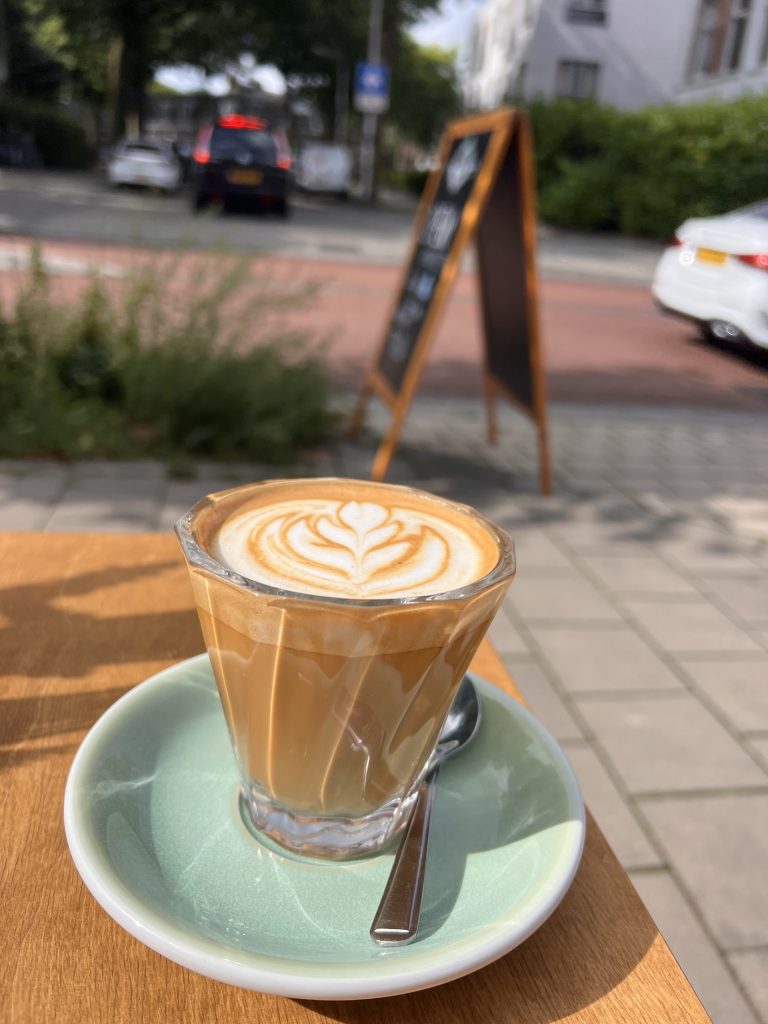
column 300, row 979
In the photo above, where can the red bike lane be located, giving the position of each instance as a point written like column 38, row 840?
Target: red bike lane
column 603, row 341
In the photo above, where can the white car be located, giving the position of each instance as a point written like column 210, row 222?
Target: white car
column 716, row 274
column 144, row 162
column 325, row 167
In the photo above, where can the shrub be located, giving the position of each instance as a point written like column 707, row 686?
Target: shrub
column 184, row 358
column 644, row 172
column 407, row 181
column 60, row 141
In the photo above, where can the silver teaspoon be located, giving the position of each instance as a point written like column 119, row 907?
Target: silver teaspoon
column 397, row 919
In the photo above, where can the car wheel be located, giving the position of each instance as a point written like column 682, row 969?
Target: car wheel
column 728, row 333
column 283, row 208
column 200, row 201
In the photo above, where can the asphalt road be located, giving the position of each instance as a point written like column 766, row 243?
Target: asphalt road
column 81, row 207
column 603, row 339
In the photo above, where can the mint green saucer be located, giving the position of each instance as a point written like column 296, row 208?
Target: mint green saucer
column 152, row 822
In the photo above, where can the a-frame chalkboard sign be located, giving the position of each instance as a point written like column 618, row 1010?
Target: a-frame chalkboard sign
column 482, row 189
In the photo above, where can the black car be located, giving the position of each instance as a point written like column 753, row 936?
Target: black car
column 240, row 158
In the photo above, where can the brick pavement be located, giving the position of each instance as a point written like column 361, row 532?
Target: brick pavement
column 637, row 629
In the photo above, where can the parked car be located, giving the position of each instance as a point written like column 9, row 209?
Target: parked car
column 326, row 168
column 144, row 162
column 240, row 158
column 716, row 274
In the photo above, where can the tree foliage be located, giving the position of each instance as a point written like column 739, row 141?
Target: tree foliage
column 110, row 49
column 425, row 92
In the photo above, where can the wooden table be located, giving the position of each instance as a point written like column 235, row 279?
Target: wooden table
column 85, row 617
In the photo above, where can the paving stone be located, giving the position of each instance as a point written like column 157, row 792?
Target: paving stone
column 31, row 467
column 669, row 744
column 542, row 698
column 27, row 502
column 746, row 597
column 613, row 660
column 719, row 846
column 751, row 968
column 109, row 505
column 567, row 596
column 355, row 460
column 534, row 549
column 610, row 526
column 119, row 469
column 687, row 626
column 697, row 549
column 632, row 575
column 694, row 950
column 626, row 837
column 505, row 636
column 738, row 688
column 759, row 747
column 181, row 495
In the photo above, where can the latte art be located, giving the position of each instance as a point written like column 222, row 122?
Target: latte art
column 351, row 548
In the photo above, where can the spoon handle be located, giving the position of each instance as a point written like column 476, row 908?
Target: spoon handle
column 397, row 919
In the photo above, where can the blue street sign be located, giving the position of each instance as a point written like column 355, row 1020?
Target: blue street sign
column 371, row 88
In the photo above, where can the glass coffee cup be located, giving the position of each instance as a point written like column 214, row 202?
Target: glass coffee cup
column 338, row 651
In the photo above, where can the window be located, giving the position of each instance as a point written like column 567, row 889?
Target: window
column 231, row 143
column 586, row 12
column 718, row 45
column 577, row 79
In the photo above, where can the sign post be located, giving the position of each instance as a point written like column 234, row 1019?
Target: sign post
column 371, row 97
column 482, row 190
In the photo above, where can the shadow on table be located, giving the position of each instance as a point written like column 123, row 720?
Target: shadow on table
column 47, row 637
column 42, row 635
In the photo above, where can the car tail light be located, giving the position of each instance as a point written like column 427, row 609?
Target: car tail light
column 284, row 163
column 202, row 151
column 675, row 241
column 760, row 261
column 239, row 121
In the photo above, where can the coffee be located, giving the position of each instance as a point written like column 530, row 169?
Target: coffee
column 354, row 540
column 340, row 617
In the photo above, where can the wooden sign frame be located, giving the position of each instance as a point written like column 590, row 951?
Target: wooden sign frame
column 504, row 188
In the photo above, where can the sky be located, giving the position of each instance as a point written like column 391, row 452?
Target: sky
column 448, row 27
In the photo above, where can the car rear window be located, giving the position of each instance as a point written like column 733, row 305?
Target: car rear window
column 228, row 143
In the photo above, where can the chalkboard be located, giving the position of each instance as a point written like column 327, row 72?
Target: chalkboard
column 481, row 189
column 504, row 291
column 457, row 180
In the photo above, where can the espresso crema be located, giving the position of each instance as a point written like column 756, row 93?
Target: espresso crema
column 354, row 540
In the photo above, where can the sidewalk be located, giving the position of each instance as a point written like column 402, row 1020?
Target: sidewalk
column 637, row 630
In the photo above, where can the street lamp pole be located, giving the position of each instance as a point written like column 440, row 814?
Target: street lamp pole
column 368, row 143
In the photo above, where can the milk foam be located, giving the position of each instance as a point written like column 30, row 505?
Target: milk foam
column 350, row 548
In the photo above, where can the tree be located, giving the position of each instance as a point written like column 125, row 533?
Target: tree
column 425, row 91
column 111, row 48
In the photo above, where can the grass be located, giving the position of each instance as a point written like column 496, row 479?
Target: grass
column 185, row 356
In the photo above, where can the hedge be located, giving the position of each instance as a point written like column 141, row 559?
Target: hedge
column 646, row 171
column 60, row 141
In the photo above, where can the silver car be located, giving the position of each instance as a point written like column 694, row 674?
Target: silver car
column 144, row 162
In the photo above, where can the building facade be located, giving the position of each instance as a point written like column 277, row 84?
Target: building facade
column 625, row 53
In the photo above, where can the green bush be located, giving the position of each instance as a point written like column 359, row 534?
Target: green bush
column 407, row 181
column 60, row 141
column 164, row 364
column 644, row 172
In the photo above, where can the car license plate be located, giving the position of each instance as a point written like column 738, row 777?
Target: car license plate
column 245, row 177
column 710, row 256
